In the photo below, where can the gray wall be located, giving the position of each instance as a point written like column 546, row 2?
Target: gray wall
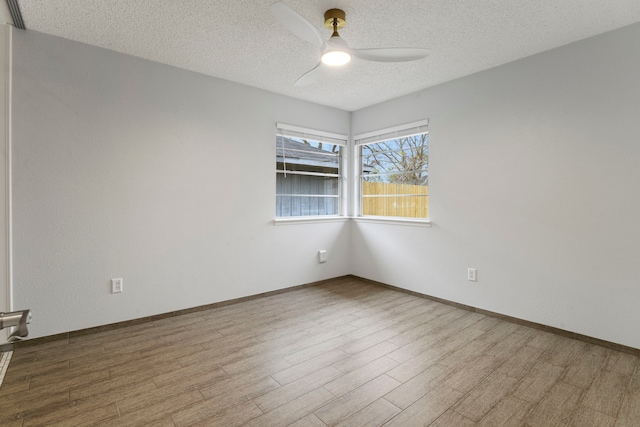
column 166, row 178
column 534, row 181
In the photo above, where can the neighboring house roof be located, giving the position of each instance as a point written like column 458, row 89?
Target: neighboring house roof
column 299, row 153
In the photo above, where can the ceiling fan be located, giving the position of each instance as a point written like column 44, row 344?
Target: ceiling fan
column 335, row 51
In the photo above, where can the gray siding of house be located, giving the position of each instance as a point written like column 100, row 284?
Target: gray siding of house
column 303, row 195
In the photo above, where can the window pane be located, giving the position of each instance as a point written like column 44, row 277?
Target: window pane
column 306, row 205
column 394, row 180
column 400, row 200
column 412, row 177
column 313, row 156
column 307, row 177
column 302, row 184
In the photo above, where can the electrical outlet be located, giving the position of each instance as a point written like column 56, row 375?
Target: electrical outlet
column 322, row 256
column 116, row 286
column 472, row 275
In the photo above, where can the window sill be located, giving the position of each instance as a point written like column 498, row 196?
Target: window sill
column 308, row 219
column 419, row 222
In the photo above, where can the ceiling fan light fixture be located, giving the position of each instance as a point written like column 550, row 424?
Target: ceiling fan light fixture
column 335, row 58
column 337, row 52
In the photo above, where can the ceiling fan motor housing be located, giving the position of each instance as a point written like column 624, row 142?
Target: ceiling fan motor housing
column 332, row 15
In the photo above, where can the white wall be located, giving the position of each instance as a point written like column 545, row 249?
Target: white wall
column 535, row 181
column 127, row 168
column 4, row 176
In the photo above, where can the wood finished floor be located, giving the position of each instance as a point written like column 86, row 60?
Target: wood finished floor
column 344, row 353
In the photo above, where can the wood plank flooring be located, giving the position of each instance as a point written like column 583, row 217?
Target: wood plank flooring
column 343, row 353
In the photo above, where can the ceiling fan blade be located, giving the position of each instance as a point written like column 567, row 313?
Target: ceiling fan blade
column 295, row 23
column 391, row 54
column 312, row 75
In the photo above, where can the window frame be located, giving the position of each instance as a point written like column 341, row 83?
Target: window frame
column 341, row 140
column 409, row 129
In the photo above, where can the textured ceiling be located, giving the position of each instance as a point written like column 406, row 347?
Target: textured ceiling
column 239, row 40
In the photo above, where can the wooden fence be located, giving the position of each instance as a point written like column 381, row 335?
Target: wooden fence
column 403, row 200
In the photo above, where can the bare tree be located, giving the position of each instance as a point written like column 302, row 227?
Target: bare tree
column 399, row 161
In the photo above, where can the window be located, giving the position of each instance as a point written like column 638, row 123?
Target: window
column 394, row 172
column 308, row 172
